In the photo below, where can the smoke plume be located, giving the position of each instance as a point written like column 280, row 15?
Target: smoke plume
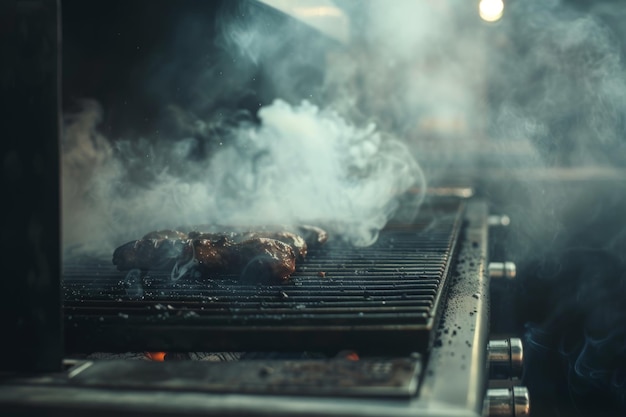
column 299, row 165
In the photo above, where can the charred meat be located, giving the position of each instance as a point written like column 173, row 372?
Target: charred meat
column 258, row 259
column 296, row 242
column 313, row 236
column 252, row 255
column 148, row 254
column 166, row 234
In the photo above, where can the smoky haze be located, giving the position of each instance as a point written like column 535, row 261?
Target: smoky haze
column 286, row 163
column 562, row 83
column 558, row 84
column 426, row 79
column 282, row 125
column 299, row 165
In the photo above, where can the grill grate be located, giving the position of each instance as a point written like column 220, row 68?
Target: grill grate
column 371, row 299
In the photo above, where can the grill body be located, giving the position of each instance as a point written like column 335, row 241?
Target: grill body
column 381, row 299
column 447, row 379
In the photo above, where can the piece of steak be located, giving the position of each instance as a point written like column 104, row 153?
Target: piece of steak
column 148, row 254
column 253, row 259
column 262, row 254
column 313, row 236
column 166, row 234
column 296, row 242
column 266, row 259
column 256, row 259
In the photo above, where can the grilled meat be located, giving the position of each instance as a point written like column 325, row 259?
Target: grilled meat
column 258, row 259
column 262, row 255
column 312, row 235
column 148, row 254
column 296, row 242
column 166, row 234
column 266, row 258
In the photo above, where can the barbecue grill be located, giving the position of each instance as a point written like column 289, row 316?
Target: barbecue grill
column 413, row 307
column 339, row 298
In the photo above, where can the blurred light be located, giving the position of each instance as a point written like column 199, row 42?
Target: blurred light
column 323, row 15
column 322, row 11
column 491, row 10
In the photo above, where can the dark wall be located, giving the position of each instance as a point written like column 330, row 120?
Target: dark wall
column 140, row 58
column 30, row 300
column 134, row 56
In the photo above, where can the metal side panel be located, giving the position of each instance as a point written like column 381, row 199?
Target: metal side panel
column 457, row 369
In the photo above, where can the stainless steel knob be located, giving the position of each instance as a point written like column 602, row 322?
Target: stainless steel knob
column 498, row 220
column 506, row 358
column 499, row 270
column 507, row 402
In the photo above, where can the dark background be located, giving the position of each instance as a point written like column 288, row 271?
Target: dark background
column 141, row 59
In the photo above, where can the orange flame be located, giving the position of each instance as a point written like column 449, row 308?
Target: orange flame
column 156, row 356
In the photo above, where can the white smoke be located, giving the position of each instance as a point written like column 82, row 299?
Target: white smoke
column 86, row 158
column 549, row 79
column 300, row 165
column 561, row 71
column 305, row 164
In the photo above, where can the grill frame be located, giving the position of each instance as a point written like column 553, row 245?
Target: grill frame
column 109, row 323
column 453, row 381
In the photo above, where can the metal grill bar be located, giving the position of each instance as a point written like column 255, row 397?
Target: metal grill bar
column 383, row 297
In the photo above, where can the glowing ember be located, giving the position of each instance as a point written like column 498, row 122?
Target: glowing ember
column 156, row 356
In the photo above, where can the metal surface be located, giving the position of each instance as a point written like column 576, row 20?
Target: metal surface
column 30, row 306
column 452, row 383
column 502, row 270
column 521, row 401
column 457, row 369
column 498, row 220
column 382, row 378
column 508, row 402
column 517, row 357
column 505, row 358
column 383, row 298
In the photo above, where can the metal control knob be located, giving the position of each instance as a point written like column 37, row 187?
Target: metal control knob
column 499, row 270
column 508, row 402
column 506, row 358
column 498, row 220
